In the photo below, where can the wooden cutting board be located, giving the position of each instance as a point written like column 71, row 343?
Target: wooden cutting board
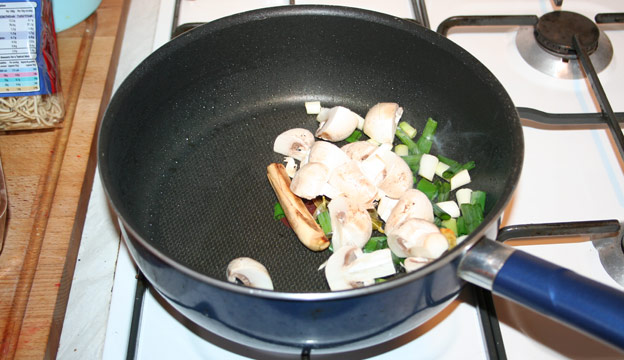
column 49, row 175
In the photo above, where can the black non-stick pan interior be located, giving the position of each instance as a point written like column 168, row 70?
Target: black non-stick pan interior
column 186, row 139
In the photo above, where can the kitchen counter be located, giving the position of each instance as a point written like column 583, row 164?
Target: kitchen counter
column 49, row 175
column 92, row 319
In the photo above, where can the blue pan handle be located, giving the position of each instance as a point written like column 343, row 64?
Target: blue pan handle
column 591, row 307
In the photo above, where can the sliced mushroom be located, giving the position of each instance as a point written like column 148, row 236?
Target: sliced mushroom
column 385, row 206
column 350, row 221
column 412, row 204
column 249, row 272
column 417, row 237
column 291, row 166
column 310, row 180
column 397, row 177
column 381, row 122
column 327, row 154
column 374, row 166
column 349, row 267
column 349, row 180
column 414, row 263
column 294, row 142
column 308, row 231
column 359, row 150
column 340, row 123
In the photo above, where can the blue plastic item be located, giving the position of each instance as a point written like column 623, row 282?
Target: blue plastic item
column 564, row 295
column 68, row 13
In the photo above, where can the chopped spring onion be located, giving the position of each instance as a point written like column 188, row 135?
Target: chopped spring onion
column 324, row 220
column 426, row 138
column 440, row 213
column 441, row 168
column 401, row 150
column 428, row 188
column 444, row 190
column 463, row 196
column 428, row 164
column 375, row 243
column 450, row 224
column 409, row 129
column 461, row 226
column 405, row 139
column 278, row 212
column 313, row 107
column 355, row 136
column 413, row 161
column 454, row 166
column 478, row 198
column 460, row 179
column 450, row 207
column 473, row 216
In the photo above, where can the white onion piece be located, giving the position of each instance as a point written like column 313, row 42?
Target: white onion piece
column 460, row 179
column 463, row 196
column 428, row 164
column 313, row 107
column 450, row 207
column 441, row 168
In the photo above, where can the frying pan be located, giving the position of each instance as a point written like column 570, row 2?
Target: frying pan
column 184, row 145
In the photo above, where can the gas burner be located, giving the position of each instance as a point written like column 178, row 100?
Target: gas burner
column 554, row 32
column 548, row 46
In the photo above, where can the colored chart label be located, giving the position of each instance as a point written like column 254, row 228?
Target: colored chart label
column 18, row 48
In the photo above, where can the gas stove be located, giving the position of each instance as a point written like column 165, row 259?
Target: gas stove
column 572, row 172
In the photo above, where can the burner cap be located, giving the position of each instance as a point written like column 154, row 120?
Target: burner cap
column 554, row 32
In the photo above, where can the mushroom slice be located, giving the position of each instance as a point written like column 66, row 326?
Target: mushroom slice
column 385, row 206
column 310, row 180
column 412, row 204
column 359, row 150
column 327, row 154
column 349, row 180
column 417, row 237
column 350, row 221
column 291, row 166
column 295, row 143
column 249, row 272
column 350, row 268
column 414, row 263
column 397, row 177
column 340, row 123
column 308, row 231
column 381, row 122
column 374, row 166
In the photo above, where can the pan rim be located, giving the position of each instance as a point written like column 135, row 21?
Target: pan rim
column 470, row 61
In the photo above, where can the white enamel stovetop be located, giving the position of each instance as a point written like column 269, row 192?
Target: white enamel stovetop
column 568, row 175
